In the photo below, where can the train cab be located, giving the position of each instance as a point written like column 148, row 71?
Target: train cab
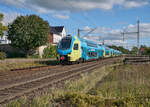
column 69, row 49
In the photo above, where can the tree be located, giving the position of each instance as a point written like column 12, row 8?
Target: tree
column 2, row 27
column 28, row 32
column 134, row 50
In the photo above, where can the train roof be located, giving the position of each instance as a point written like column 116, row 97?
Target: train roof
column 94, row 44
column 89, row 43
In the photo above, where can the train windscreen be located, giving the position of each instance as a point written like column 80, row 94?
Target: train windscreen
column 65, row 43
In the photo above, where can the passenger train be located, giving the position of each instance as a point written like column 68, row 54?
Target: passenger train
column 75, row 49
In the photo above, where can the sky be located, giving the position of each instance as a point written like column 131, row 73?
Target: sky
column 108, row 18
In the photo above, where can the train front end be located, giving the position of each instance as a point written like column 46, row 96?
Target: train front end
column 68, row 49
column 63, row 49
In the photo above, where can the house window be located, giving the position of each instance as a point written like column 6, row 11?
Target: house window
column 76, row 47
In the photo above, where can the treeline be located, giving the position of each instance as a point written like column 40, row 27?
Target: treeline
column 144, row 50
column 120, row 48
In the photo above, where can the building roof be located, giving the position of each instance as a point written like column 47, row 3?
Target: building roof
column 56, row 29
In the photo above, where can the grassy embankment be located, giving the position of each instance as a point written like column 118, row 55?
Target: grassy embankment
column 18, row 64
column 115, row 86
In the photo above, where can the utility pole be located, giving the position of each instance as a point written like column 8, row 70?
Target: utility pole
column 123, row 35
column 103, row 42
column 78, row 32
column 138, row 35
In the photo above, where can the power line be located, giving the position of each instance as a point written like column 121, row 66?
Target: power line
column 90, row 31
column 86, row 18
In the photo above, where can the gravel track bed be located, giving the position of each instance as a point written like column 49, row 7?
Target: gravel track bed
column 62, row 73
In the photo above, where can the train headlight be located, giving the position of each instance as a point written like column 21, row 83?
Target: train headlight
column 62, row 57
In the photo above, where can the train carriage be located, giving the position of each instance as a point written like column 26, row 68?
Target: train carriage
column 75, row 49
column 91, row 50
column 107, row 52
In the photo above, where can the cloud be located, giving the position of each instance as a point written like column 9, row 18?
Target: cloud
column 9, row 17
column 130, row 4
column 60, row 16
column 143, row 27
column 17, row 3
column 114, row 36
column 73, row 5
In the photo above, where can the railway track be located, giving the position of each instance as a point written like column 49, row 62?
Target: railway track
column 12, row 91
column 137, row 60
column 7, row 78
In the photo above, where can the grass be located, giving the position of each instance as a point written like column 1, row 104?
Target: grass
column 113, row 86
column 126, row 85
column 126, row 81
column 7, row 66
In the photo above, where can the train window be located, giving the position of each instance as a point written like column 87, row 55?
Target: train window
column 92, row 44
column 92, row 54
column 76, row 47
column 65, row 43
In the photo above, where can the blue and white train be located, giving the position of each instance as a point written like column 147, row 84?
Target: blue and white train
column 75, row 49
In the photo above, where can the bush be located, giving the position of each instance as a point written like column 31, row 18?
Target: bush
column 50, row 52
column 15, row 55
column 34, row 56
column 2, row 55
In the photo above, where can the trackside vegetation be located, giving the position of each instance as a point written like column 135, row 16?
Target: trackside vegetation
column 111, row 86
column 2, row 55
column 50, row 52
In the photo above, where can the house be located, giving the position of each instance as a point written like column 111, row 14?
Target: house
column 4, row 40
column 56, row 33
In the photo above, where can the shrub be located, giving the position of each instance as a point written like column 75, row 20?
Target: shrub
column 77, row 99
column 2, row 55
column 15, row 55
column 50, row 52
column 33, row 56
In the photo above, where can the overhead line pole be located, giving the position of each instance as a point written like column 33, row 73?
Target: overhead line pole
column 78, row 32
column 138, row 35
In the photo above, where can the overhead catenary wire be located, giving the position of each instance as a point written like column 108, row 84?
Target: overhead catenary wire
column 86, row 18
column 139, row 35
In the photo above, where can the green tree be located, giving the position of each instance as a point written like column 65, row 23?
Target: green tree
column 28, row 32
column 2, row 27
column 134, row 50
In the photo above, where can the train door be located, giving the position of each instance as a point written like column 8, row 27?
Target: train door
column 77, row 51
